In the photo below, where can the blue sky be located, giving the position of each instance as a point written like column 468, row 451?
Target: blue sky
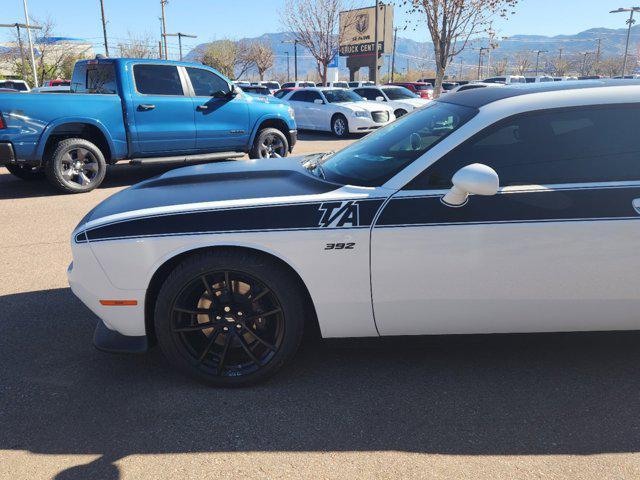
column 215, row 19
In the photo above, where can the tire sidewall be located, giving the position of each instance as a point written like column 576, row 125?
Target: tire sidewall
column 65, row 146
column 262, row 269
column 262, row 134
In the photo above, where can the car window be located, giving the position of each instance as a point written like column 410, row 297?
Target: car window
column 592, row 144
column 305, row 96
column 399, row 93
column 353, row 84
column 288, row 85
column 206, row 83
column 369, row 93
column 94, row 78
column 157, row 80
column 376, row 158
column 341, row 96
column 280, row 93
column 14, row 85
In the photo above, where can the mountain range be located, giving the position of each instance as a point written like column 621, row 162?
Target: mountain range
column 418, row 55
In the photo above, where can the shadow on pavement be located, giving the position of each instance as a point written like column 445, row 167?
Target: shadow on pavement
column 472, row 395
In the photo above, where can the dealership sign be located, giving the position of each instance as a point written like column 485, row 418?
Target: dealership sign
column 358, row 31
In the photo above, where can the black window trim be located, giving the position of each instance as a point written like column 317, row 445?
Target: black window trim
column 186, row 87
column 500, row 123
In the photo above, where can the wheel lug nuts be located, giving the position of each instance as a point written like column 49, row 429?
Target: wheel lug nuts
column 238, row 326
column 218, row 317
column 227, row 309
column 239, row 314
column 226, row 329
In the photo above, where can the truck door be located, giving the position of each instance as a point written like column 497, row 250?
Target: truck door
column 164, row 115
column 222, row 121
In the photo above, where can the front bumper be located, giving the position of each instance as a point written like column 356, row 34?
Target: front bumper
column 364, row 124
column 107, row 340
column 293, row 139
column 7, row 155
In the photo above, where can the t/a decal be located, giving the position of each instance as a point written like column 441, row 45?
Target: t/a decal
column 339, row 214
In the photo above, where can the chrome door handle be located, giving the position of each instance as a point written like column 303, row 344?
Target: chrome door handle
column 202, row 108
column 146, row 107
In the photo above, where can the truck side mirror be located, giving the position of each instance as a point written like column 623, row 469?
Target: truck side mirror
column 476, row 179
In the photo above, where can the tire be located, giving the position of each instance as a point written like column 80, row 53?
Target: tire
column 269, row 143
column 340, row 126
column 217, row 354
column 26, row 172
column 76, row 166
column 399, row 113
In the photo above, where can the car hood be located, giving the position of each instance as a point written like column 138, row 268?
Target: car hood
column 212, row 185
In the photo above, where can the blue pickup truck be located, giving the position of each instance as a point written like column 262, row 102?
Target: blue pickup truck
column 125, row 109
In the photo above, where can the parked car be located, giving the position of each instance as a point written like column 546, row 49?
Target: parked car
column 477, row 214
column 57, row 83
column 9, row 90
column 51, row 90
column 173, row 110
column 298, row 85
column 627, row 77
column 271, row 85
column 334, row 84
column 360, row 84
column 539, row 79
column 337, row 110
column 474, row 85
column 19, row 85
column 425, row 90
column 446, row 85
column 257, row 90
column 564, row 79
column 400, row 99
column 506, row 79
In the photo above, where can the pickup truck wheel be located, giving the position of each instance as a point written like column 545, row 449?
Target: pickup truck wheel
column 229, row 319
column 25, row 172
column 76, row 166
column 269, row 143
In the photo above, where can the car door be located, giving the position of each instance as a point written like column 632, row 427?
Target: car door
column 299, row 102
column 163, row 114
column 318, row 115
column 221, row 119
column 554, row 250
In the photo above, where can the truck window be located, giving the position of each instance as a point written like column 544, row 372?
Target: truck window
column 206, row 83
column 94, row 78
column 157, row 80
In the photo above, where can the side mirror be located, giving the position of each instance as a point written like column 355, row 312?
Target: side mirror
column 380, row 99
column 476, row 179
column 319, row 101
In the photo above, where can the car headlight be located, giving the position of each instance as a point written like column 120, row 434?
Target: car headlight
column 361, row 114
column 292, row 112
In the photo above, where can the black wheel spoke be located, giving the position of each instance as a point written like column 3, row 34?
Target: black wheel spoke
column 200, row 326
column 260, row 295
column 207, row 286
column 212, row 340
column 260, row 340
column 265, row 314
column 223, row 357
column 247, row 349
column 195, row 311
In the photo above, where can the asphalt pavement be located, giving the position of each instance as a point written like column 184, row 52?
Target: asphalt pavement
column 472, row 407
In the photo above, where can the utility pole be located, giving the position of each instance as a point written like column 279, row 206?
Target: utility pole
column 482, row 49
column 288, row 67
column 33, row 58
column 374, row 77
column 584, row 63
column 295, row 57
column 393, row 57
column 538, row 52
column 630, row 22
column 164, row 29
column 179, row 35
column 160, row 49
column 104, row 29
column 598, row 51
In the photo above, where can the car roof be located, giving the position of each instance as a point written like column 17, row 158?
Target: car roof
column 479, row 97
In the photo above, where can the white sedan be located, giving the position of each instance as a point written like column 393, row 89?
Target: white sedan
column 337, row 110
column 400, row 99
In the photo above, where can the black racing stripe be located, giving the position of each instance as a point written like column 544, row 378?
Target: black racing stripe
column 267, row 218
column 545, row 205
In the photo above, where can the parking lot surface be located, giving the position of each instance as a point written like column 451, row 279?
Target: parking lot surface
column 499, row 407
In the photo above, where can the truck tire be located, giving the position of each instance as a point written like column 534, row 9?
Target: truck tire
column 269, row 143
column 76, row 166
column 25, row 172
column 229, row 318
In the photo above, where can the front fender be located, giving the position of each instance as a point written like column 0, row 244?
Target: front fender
column 291, row 124
column 50, row 128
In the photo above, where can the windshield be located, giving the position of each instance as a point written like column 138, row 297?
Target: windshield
column 272, row 85
column 341, row 96
column 341, row 85
column 380, row 155
column 399, row 93
column 423, row 87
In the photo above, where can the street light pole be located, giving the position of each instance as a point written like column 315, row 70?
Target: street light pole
column 288, row 67
column 180, row 35
column 104, row 29
column 295, row 57
column 33, row 58
column 393, row 57
column 164, row 29
column 482, row 49
column 374, row 77
column 631, row 21
column 538, row 52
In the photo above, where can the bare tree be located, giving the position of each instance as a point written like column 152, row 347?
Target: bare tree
column 522, row 62
column 138, row 47
column 452, row 23
column 316, row 26
column 500, row 67
column 263, row 57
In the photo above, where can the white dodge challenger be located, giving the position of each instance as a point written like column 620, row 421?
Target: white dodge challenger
column 510, row 209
